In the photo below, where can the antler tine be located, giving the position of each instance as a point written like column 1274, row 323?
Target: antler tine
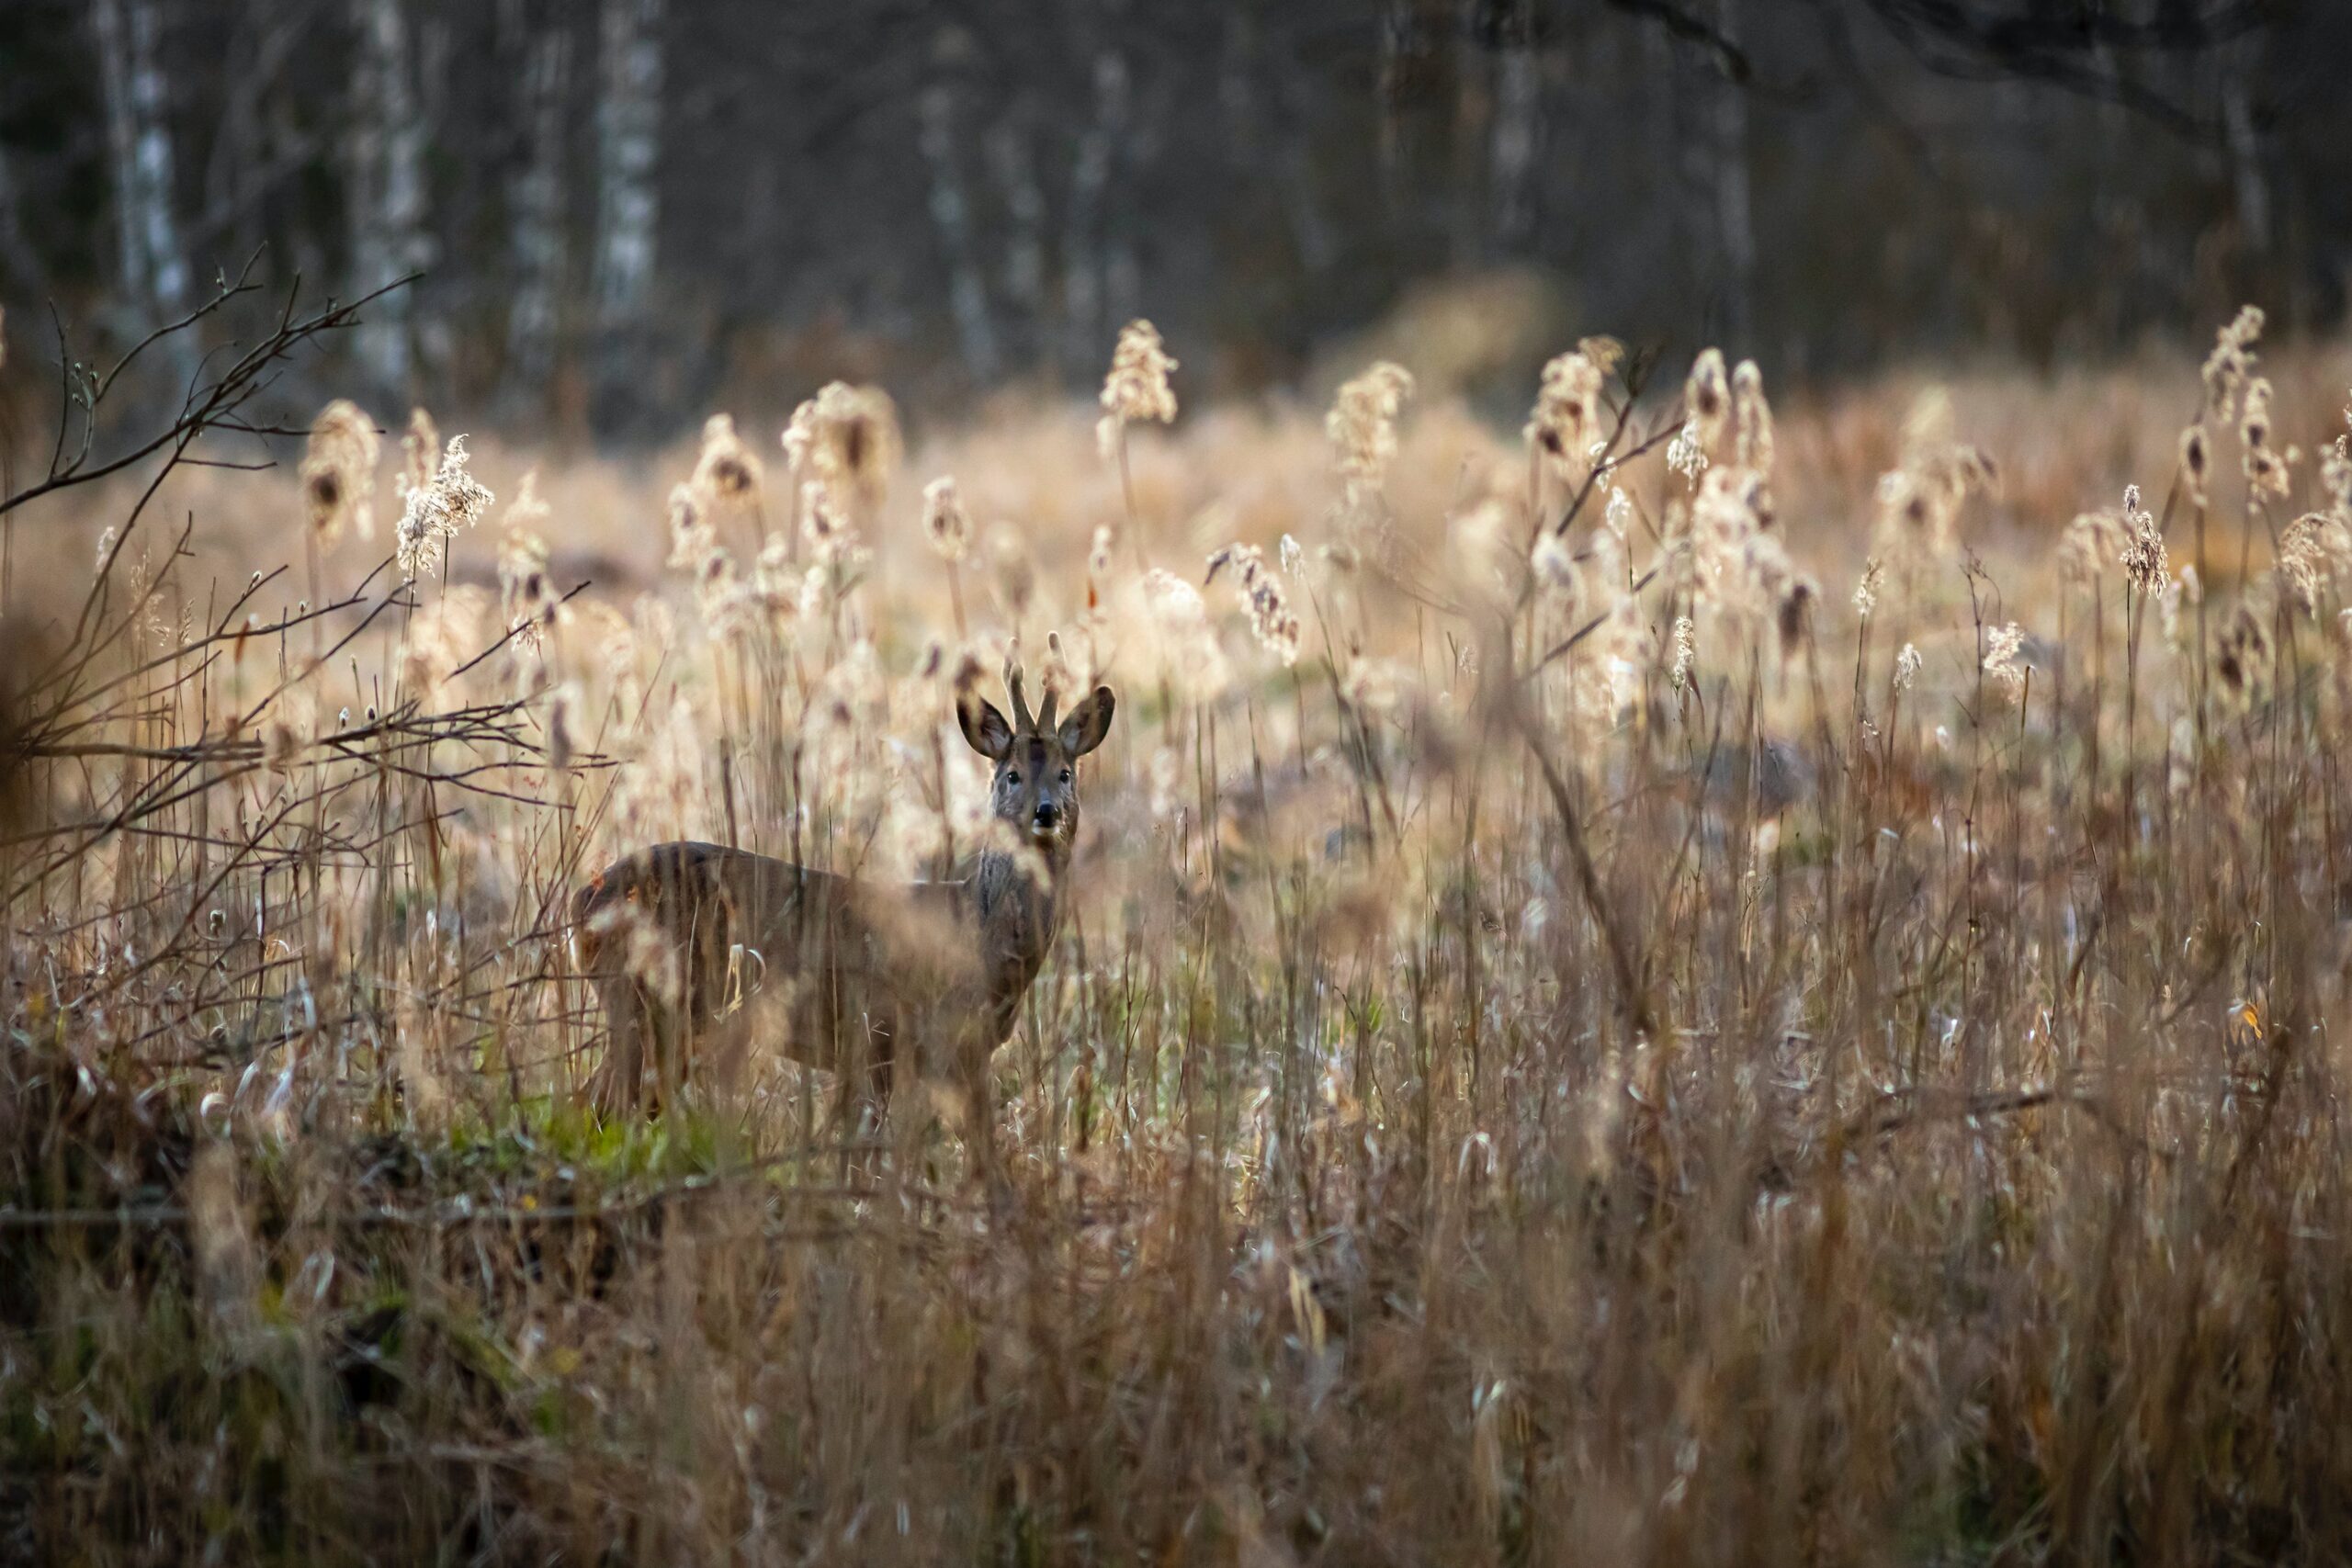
column 1022, row 723
column 1046, row 713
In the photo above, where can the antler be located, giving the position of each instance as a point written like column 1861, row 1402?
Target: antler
column 1046, row 713
column 1022, row 723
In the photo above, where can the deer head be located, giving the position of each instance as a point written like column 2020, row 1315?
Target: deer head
column 1036, row 786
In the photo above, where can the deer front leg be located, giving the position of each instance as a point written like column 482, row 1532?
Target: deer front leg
column 620, row 1085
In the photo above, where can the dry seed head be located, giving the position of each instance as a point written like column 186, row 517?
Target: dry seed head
column 1362, row 426
column 1260, row 592
column 1687, row 453
column 2314, row 555
column 1866, row 591
column 1617, row 515
column 1707, row 397
column 946, row 524
column 524, row 592
column 2335, row 472
column 2196, row 463
column 691, row 536
column 1016, row 574
column 2231, row 361
column 451, row 502
column 526, row 512
column 1567, row 417
column 1907, row 667
column 827, row 528
column 1686, row 653
column 847, row 439
column 726, row 470
column 2143, row 548
column 1752, row 419
column 420, row 452
column 440, row 639
column 2265, row 467
column 339, row 472
column 1136, row 387
column 2003, row 647
column 2091, row 540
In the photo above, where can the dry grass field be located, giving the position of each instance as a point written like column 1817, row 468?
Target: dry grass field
column 1705, row 981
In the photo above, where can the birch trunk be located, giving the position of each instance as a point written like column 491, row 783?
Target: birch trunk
column 950, row 212
column 1014, row 170
column 154, row 273
column 2248, row 176
column 1734, row 219
column 628, row 152
column 1086, row 262
column 1518, row 107
column 386, row 192
column 536, row 216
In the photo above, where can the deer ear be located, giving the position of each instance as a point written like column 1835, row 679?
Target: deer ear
column 983, row 726
column 1088, row 723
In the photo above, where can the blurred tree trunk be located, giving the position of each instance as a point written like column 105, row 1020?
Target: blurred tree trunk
column 2249, row 178
column 951, row 212
column 1087, row 258
column 386, row 197
column 154, row 274
column 20, row 264
column 1469, row 212
column 1518, row 125
column 1014, row 169
column 536, row 213
column 1734, row 219
column 628, row 155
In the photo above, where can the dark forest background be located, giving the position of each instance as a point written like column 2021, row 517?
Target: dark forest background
column 627, row 210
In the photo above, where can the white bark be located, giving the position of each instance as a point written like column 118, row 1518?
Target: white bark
column 386, row 191
column 139, row 137
column 536, row 213
column 1518, row 104
column 628, row 127
column 1086, row 260
column 1015, row 173
column 2252, row 182
column 968, row 295
column 1734, row 219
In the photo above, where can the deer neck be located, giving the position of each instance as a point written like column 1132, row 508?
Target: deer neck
column 1017, row 911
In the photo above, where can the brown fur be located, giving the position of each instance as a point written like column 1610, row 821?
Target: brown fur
column 854, row 977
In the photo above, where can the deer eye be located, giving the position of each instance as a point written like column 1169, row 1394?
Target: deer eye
column 1065, row 776
column 1012, row 776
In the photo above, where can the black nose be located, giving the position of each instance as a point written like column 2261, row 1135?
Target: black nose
column 1047, row 814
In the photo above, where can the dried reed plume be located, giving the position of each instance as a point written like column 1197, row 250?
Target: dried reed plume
column 1136, row 387
column 846, row 439
column 691, row 535
column 420, row 453
column 1751, row 419
column 2143, row 548
column 1362, row 426
column 1564, row 424
column 450, row 502
column 2231, row 361
column 1706, row 397
column 339, row 473
column 2004, row 647
column 1261, row 591
column 726, row 470
column 2267, row 476
column 945, row 525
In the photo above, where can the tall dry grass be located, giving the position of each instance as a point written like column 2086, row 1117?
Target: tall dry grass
column 1683, row 985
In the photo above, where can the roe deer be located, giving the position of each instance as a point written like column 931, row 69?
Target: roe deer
column 862, row 976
